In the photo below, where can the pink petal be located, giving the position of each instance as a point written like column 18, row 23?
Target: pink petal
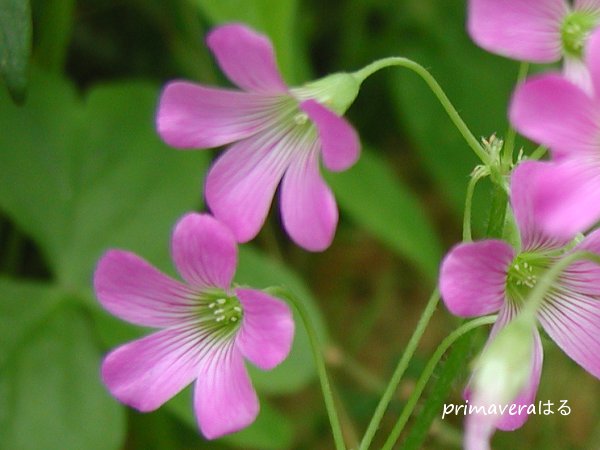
column 204, row 251
column 572, row 320
column 592, row 59
column 554, row 112
column 308, row 207
column 575, row 70
column 520, row 29
column 473, row 277
column 193, row 116
column 523, row 181
column 339, row 142
column 583, row 276
column 241, row 184
column 147, row 372
column 247, row 58
column 224, row 399
column 589, row 5
column 567, row 196
column 267, row 331
column 133, row 290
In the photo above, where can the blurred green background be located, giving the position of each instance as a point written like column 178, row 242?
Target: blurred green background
column 82, row 170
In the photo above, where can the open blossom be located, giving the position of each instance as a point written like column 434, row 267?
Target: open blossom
column 539, row 31
column 491, row 276
column 560, row 115
column 277, row 134
column 207, row 328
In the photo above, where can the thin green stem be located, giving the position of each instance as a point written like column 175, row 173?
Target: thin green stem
column 400, row 369
column 538, row 153
column 336, row 427
column 428, row 371
column 437, row 90
column 477, row 175
column 509, row 142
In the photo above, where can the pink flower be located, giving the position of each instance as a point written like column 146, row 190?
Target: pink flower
column 560, row 115
column 490, row 276
column 278, row 134
column 539, row 31
column 207, row 328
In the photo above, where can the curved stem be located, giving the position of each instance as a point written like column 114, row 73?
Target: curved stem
column 400, row 369
column 317, row 352
column 509, row 142
column 538, row 153
column 462, row 127
column 477, row 175
column 428, row 371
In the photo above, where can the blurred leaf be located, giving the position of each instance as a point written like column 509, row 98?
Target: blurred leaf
column 82, row 177
column 270, row 431
column 375, row 198
column 275, row 18
column 50, row 393
column 15, row 45
column 298, row 369
column 479, row 85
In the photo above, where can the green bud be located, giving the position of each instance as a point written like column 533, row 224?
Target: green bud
column 504, row 368
column 336, row 91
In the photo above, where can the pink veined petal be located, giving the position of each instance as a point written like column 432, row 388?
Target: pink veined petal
column 247, row 58
column 340, row 144
column 523, row 181
column 576, row 71
column 589, row 5
column 583, row 277
column 241, row 184
column 147, row 372
column 135, row 291
column 554, row 112
column 224, row 399
column 520, row 29
column 473, row 277
column 267, row 330
column 572, row 320
column 308, row 209
column 567, row 196
column 204, row 251
column 592, row 60
column 193, row 116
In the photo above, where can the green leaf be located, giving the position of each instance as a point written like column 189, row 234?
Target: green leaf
column 298, row 369
column 270, row 431
column 50, row 392
column 376, row 199
column 15, row 45
column 80, row 177
column 276, row 18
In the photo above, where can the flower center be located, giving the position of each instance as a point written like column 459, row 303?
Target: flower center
column 220, row 312
column 575, row 30
column 523, row 274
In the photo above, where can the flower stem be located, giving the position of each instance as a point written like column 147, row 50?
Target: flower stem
column 400, row 369
column 538, row 153
column 428, row 371
column 437, row 90
column 478, row 174
column 317, row 352
column 509, row 142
